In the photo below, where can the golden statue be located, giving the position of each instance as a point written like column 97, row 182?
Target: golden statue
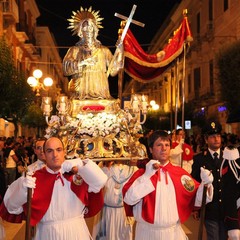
column 87, row 62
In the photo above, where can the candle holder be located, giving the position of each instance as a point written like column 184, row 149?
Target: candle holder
column 63, row 105
column 135, row 103
column 46, row 107
column 139, row 106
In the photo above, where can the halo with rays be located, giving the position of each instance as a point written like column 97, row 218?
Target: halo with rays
column 82, row 14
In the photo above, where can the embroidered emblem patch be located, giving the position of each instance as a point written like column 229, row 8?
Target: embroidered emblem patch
column 78, row 179
column 187, row 183
column 187, row 151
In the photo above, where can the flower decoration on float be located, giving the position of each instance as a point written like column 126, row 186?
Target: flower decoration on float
column 93, row 125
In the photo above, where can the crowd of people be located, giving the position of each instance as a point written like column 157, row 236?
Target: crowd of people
column 156, row 196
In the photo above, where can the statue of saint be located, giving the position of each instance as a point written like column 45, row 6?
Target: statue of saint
column 87, row 62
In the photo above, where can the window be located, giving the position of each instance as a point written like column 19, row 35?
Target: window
column 189, row 83
column 210, row 10
column 198, row 23
column 211, row 77
column 197, row 81
column 225, row 5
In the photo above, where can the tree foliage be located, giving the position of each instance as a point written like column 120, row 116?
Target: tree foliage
column 15, row 93
column 228, row 61
column 34, row 117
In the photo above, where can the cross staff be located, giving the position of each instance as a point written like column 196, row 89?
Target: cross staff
column 129, row 21
column 126, row 18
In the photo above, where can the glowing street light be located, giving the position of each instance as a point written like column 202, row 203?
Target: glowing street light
column 34, row 82
column 154, row 105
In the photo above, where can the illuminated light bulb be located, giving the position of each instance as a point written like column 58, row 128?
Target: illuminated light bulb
column 32, row 81
column 37, row 73
column 48, row 82
column 152, row 103
column 155, row 107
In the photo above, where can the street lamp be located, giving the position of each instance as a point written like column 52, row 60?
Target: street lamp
column 34, row 82
column 154, row 105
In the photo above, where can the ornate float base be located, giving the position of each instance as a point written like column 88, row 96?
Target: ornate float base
column 98, row 129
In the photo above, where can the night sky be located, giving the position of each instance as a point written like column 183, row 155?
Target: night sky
column 54, row 14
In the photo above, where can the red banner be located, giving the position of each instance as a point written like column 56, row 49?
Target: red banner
column 147, row 67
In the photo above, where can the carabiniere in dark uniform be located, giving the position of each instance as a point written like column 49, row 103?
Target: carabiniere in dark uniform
column 211, row 159
column 214, row 209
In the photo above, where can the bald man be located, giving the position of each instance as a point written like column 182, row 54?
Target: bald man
column 64, row 192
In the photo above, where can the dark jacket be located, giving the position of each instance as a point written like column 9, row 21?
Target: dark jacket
column 214, row 209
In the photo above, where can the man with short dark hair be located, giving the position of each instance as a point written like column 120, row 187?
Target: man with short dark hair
column 211, row 159
column 162, row 196
column 38, row 150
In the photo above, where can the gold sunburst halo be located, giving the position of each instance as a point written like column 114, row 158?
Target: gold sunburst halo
column 81, row 15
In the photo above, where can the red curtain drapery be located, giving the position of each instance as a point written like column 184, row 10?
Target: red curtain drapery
column 147, row 67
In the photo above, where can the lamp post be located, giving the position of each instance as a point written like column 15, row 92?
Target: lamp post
column 34, row 82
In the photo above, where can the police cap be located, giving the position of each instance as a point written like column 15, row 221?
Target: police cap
column 212, row 128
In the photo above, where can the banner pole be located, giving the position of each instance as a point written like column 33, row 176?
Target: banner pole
column 176, row 93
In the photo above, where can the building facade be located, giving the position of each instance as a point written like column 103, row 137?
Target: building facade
column 214, row 24
column 32, row 46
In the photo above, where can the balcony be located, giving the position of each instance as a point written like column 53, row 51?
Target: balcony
column 10, row 12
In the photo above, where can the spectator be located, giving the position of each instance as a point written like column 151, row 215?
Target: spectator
column 11, row 160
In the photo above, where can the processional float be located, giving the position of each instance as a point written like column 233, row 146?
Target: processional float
column 98, row 128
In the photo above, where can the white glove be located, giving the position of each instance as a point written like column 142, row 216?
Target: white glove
column 150, row 171
column 29, row 182
column 68, row 165
column 206, row 176
column 92, row 174
column 234, row 234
